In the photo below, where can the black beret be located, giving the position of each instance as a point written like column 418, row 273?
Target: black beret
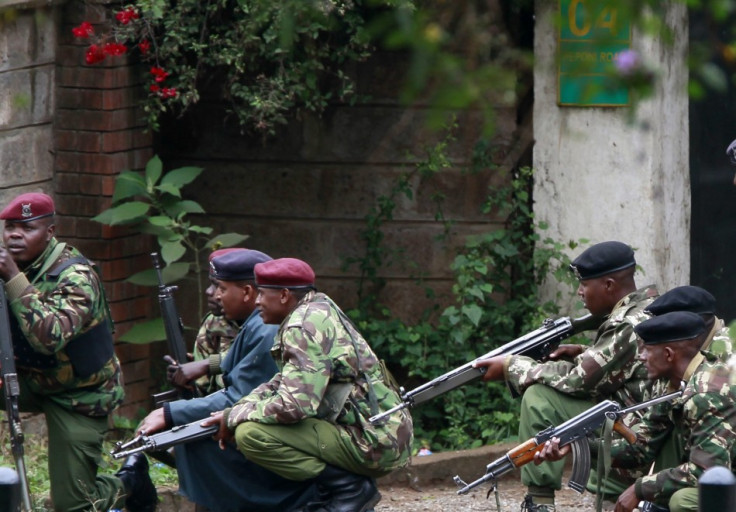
column 684, row 298
column 237, row 265
column 669, row 327
column 602, row 259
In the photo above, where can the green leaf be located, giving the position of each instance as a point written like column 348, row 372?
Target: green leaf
column 175, row 271
column 145, row 332
column 172, row 251
column 122, row 214
column 226, row 240
column 184, row 206
column 181, row 176
column 205, row 230
column 160, row 220
column 128, row 184
column 154, row 168
column 144, row 278
column 473, row 312
column 168, row 188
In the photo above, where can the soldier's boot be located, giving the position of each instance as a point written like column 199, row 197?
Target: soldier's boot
column 346, row 491
column 140, row 493
column 535, row 503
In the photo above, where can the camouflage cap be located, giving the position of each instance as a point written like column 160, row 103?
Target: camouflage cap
column 28, row 207
column 684, row 298
column 284, row 273
column 670, row 327
column 602, row 259
column 237, row 265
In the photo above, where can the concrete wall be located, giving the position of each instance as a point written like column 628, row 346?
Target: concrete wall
column 603, row 175
column 27, row 71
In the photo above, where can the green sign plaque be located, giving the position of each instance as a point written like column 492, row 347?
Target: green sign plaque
column 592, row 33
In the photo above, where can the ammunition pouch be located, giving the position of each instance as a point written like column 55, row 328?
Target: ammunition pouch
column 333, row 401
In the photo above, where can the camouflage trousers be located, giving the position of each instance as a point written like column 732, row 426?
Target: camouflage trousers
column 541, row 407
column 74, row 451
column 300, row 451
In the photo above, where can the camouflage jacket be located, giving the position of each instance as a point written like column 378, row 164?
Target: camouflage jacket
column 607, row 370
column 50, row 314
column 315, row 346
column 214, row 337
column 706, row 418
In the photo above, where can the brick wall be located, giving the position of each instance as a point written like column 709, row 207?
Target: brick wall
column 98, row 132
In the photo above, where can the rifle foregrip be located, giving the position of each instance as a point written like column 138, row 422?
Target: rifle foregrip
column 524, row 453
column 626, row 432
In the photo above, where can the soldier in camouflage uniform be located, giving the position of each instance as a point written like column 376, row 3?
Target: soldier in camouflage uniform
column 67, row 369
column 311, row 421
column 557, row 390
column 704, row 416
column 213, row 340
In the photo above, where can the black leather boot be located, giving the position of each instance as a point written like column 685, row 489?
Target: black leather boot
column 346, row 491
column 140, row 493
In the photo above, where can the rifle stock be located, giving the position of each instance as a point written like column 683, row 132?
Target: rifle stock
column 537, row 344
column 573, row 432
column 11, row 388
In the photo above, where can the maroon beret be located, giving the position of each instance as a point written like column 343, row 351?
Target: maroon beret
column 28, row 207
column 284, row 273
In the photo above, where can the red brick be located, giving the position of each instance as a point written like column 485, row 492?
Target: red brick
column 77, row 98
column 108, row 185
column 113, row 99
column 96, row 76
column 71, row 140
column 93, row 163
column 99, row 120
column 66, row 183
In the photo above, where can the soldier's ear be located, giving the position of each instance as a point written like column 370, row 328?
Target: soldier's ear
column 50, row 232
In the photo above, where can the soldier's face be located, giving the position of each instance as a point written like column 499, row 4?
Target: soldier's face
column 272, row 304
column 25, row 241
column 595, row 296
column 212, row 302
column 657, row 360
column 233, row 298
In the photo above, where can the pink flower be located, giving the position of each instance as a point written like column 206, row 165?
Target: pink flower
column 114, row 49
column 84, row 30
column 627, row 62
column 169, row 92
column 126, row 15
column 154, row 88
column 94, row 54
column 144, row 46
column 159, row 74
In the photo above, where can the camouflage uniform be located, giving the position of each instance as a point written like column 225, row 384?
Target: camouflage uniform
column 705, row 417
column 215, row 335
column 75, row 389
column 277, row 422
column 556, row 391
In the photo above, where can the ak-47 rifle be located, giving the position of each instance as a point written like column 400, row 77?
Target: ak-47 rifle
column 537, row 344
column 164, row 440
column 573, row 432
column 12, row 393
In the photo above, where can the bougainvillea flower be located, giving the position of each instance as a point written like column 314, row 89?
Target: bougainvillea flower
column 154, row 88
column 84, row 30
column 159, row 74
column 169, row 92
column 114, row 49
column 94, row 54
column 126, row 15
column 144, row 46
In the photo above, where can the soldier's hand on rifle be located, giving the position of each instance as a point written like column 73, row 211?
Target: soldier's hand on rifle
column 627, row 501
column 152, row 423
column 567, row 351
column 182, row 375
column 551, row 451
column 8, row 267
column 224, row 435
column 494, row 367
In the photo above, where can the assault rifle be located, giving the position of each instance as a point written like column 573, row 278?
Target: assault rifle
column 573, row 432
column 12, row 393
column 164, row 440
column 537, row 344
column 174, row 333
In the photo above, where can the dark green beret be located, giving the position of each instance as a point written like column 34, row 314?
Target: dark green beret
column 684, row 298
column 602, row 259
column 670, row 327
column 237, row 265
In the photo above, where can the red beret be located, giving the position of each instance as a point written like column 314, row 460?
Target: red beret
column 28, row 207
column 284, row 273
column 220, row 252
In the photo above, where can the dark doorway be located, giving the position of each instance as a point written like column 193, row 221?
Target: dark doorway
column 713, row 226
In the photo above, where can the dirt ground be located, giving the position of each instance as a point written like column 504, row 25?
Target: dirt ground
column 441, row 497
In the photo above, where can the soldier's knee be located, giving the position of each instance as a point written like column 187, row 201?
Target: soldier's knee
column 248, row 438
column 684, row 500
